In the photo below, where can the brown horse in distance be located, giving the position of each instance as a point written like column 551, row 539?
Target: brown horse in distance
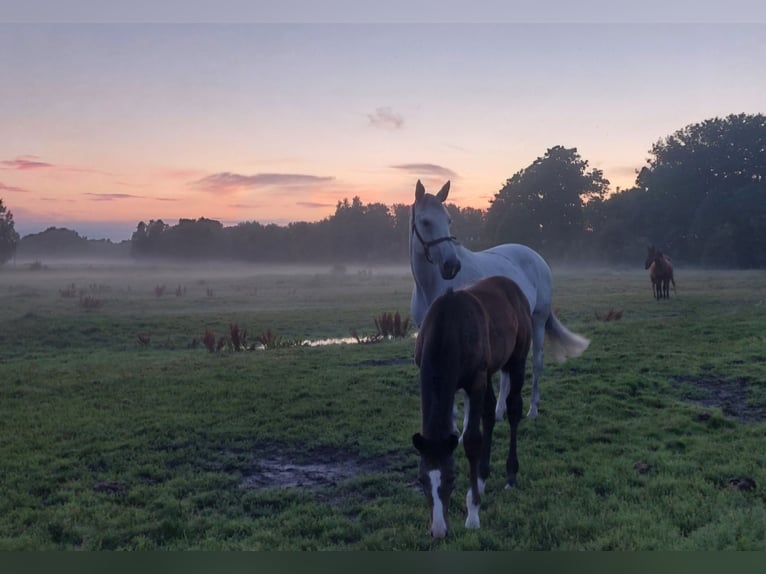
column 660, row 272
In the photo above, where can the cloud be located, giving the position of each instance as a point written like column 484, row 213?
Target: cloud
column 428, row 169
column 4, row 187
column 386, row 118
column 118, row 196
column 112, row 196
column 314, row 204
column 227, row 182
column 25, row 163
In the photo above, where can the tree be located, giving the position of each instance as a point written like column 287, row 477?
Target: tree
column 542, row 205
column 9, row 239
column 694, row 178
column 467, row 225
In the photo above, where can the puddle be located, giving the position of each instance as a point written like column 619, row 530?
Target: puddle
column 336, row 341
column 732, row 396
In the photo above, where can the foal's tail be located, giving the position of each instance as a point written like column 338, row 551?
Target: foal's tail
column 561, row 342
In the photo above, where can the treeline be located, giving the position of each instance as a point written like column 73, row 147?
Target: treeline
column 700, row 198
column 59, row 242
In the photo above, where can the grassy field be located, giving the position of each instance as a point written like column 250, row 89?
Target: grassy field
column 120, row 430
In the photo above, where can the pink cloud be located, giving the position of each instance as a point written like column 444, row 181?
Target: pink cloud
column 227, row 182
column 4, row 187
column 118, row 196
column 423, row 169
column 25, row 163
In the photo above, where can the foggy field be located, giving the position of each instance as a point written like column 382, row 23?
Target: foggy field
column 119, row 429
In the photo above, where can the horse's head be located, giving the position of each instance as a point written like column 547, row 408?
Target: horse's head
column 430, row 232
column 651, row 255
column 436, row 475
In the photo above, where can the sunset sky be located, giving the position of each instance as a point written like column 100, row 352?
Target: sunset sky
column 104, row 125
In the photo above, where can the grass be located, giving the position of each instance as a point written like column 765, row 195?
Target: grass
column 108, row 443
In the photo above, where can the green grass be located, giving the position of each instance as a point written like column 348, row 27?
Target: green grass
column 110, row 444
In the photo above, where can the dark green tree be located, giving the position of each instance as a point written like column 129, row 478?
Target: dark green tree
column 696, row 177
column 542, row 205
column 468, row 225
column 9, row 238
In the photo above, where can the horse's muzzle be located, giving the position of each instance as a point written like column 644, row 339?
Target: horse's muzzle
column 450, row 269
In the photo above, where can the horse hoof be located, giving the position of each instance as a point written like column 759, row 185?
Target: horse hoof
column 472, row 522
column 532, row 412
column 510, row 484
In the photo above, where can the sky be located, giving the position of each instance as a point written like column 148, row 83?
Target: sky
column 114, row 120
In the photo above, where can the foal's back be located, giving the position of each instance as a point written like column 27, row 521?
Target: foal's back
column 509, row 319
column 481, row 326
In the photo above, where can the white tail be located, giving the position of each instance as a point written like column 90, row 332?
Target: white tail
column 561, row 342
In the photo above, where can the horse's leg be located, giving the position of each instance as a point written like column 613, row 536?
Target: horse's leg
column 487, row 426
column 516, row 370
column 472, row 444
column 466, row 404
column 538, row 340
column 502, row 395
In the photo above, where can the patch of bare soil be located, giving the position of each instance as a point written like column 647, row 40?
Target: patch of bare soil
column 732, row 396
column 285, row 468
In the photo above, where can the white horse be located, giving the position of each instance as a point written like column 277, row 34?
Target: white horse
column 438, row 261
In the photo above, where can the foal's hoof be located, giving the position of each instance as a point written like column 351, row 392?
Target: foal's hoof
column 511, row 484
column 532, row 412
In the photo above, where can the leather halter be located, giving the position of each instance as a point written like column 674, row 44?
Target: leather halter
column 428, row 244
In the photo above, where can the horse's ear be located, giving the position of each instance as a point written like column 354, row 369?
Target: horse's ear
column 418, row 442
column 420, row 191
column 442, row 195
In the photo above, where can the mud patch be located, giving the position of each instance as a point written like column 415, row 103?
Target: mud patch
column 312, row 469
column 732, row 396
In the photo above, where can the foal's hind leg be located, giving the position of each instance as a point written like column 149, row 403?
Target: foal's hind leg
column 487, row 426
column 538, row 339
column 502, row 395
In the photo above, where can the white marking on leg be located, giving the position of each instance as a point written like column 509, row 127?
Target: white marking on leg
column 466, row 409
column 502, row 395
column 466, row 403
column 454, row 418
column 472, row 520
column 438, row 524
column 482, row 486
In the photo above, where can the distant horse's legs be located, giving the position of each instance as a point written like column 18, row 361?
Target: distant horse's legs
column 514, row 416
column 538, row 339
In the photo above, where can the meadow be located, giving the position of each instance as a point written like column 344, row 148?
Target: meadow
column 120, row 429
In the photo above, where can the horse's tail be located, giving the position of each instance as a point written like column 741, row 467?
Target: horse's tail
column 562, row 343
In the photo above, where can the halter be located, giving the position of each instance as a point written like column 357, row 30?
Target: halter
column 428, row 244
